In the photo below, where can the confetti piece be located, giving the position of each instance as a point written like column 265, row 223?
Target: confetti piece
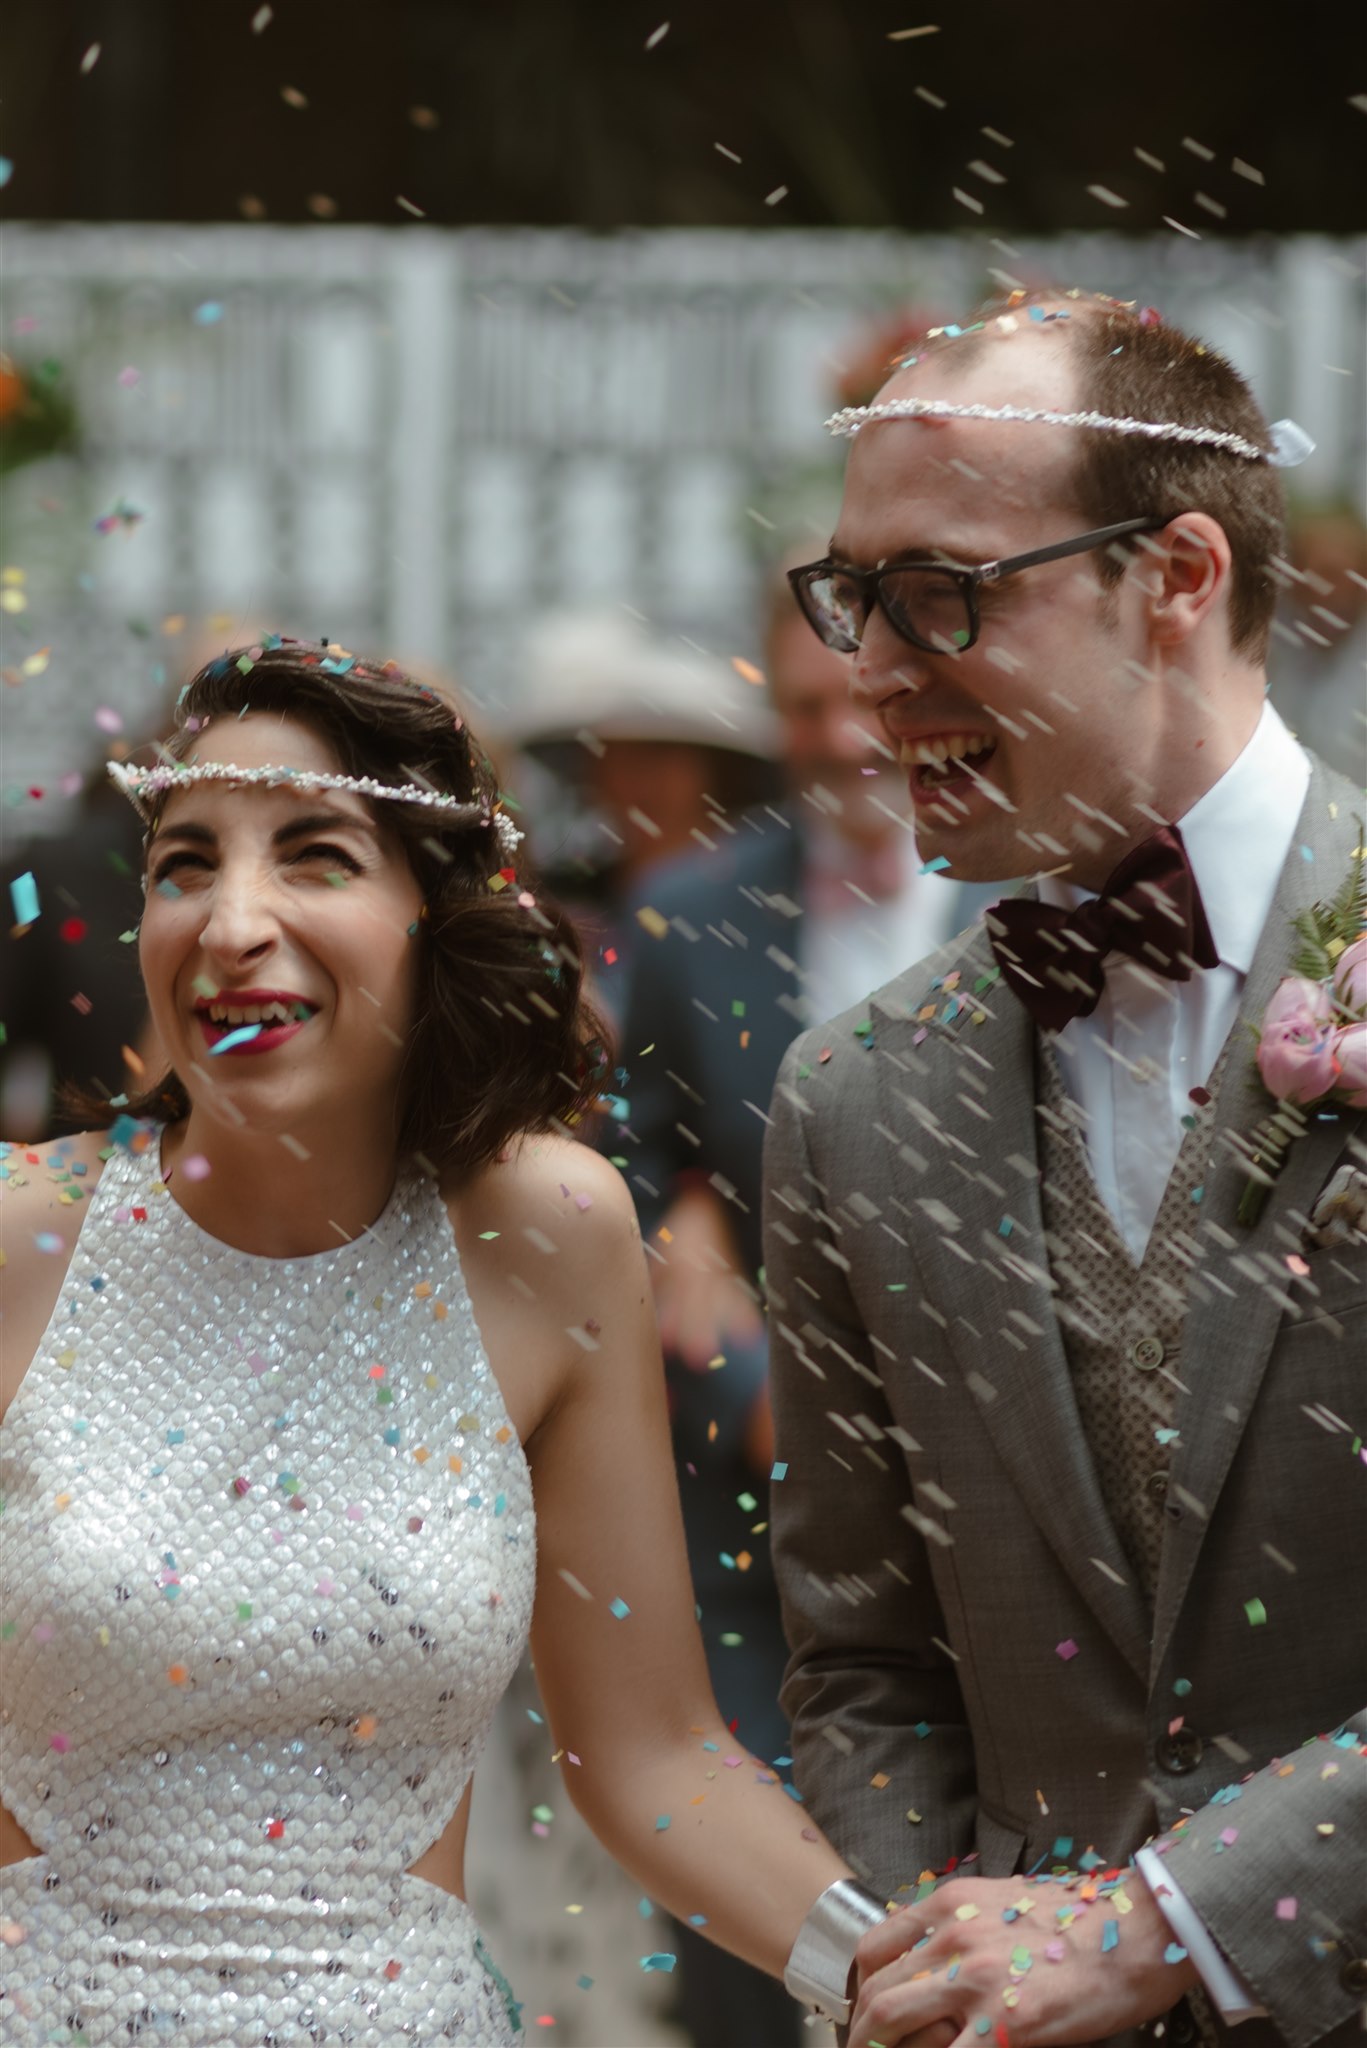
column 906, row 35
column 773, row 198
column 208, row 314
column 260, row 19
column 1066, row 1650
column 1174, row 1953
column 90, row 60
column 780, row 1470
column 1106, row 196
column 1287, row 1909
column 23, row 896
column 729, row 154
column 418, row 212
column 657, row 36
column 244, row 1035
column 6, row 170
column 660, row 1961
column 1256, row 1612
column 619, row 1609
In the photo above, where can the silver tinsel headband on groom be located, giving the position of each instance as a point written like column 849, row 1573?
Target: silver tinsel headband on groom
column 138, row 784
column 1290, row 443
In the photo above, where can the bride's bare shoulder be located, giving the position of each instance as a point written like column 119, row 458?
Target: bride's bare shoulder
column 44, row 1193
column 548, row 1193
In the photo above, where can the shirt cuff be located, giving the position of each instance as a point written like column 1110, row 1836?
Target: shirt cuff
column 1228, row 1989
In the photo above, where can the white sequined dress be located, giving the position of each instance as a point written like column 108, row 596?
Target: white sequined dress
column 267, row 1559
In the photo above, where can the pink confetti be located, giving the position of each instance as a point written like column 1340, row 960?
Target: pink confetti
column 326, row 1586
column 1297, row 1265
column 61, row 1743
column 1066, row 1650
column 1229, row 1836
column 257, row 1364
column 355, row 1513
column 128, row 376
column 583, row 1201
column 108, row 719
column 195, row 1166
column 44, row 1632
column 1055, row 1951
column 1287, row 1909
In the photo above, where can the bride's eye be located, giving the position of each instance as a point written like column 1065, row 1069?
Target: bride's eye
column 170, row 863
column 322, row 849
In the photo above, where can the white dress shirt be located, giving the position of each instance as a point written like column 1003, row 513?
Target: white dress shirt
column 1132, row 1064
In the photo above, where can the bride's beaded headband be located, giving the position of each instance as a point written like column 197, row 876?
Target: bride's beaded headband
column 1290, row 443
column 138, row 784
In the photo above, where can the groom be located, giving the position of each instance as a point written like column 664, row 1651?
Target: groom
column 1071, row 1515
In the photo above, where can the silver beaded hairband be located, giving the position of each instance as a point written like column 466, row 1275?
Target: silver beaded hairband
column 138, row 784
column 1290, row 443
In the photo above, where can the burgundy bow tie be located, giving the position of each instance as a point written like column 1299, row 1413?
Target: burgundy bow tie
column 1150, row 908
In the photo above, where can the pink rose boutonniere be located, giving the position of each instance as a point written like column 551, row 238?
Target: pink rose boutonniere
column 1312, row 1048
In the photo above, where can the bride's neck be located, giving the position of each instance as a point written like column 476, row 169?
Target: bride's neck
column 276, row 1198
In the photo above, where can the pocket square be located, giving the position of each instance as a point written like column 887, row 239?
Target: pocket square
column 1340, row 1214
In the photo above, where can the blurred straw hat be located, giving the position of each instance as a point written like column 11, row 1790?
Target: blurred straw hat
column 595, row 676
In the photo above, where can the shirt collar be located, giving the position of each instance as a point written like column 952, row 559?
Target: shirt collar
column 1237, row 838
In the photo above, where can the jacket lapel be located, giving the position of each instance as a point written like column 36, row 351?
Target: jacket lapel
column 1229, row 1336
column 964, row 1098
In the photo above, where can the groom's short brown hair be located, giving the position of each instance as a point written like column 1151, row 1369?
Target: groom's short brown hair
column 1132, row 364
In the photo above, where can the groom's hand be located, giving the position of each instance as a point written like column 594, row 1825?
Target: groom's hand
column 1041, row 1963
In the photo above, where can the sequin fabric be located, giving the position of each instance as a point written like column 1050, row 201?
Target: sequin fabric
column 267, row 1561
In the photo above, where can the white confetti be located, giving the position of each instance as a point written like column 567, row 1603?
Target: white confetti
column 722, row 150
column 657, row 35
column 932, row 99
column 1198, row 149
column 779, row 192
column 967, row 199
column 1243, row 170
column 1169, row 222
column 905, row 35
column 260, row 18
column 1106, row 196
column 1155, row 163
column 90, row 59
column 986, row 172
column 408, row 206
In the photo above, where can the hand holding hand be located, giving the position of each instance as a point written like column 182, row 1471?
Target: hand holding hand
column 1045, row 1962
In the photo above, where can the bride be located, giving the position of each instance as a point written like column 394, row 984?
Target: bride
column 329, row 1372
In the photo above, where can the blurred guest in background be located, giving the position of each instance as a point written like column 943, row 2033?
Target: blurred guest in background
column 629, row 747
column 1318, row 664
column 793, row 913
column 71, row 999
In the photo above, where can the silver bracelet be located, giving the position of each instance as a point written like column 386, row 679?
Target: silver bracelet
column 818, row 1970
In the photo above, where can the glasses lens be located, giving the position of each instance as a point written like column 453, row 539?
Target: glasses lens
column 835, row 606
column 928, row 608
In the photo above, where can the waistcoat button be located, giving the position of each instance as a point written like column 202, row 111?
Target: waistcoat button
column 1146, row 1353
column 1156, row 1485
column 1353, row 1975
column 1180, row 1752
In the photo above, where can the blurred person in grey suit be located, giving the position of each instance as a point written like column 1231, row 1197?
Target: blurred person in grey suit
column 1317, row 669
column 792, row 910
column 1072, row 1534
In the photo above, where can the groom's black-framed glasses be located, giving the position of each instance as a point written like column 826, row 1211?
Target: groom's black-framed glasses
column 931, row 603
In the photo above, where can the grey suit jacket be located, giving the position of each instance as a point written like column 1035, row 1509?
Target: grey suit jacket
column 971, row 1669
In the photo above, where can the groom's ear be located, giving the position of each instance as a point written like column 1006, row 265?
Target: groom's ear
column 1185, row 573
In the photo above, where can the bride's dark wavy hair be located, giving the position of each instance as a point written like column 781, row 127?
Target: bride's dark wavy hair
column 503, row 1040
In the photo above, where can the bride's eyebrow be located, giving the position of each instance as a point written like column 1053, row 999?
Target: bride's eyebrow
column 296, row 828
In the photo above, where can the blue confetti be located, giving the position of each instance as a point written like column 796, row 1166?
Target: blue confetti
column 1174, row 1953
column 619, row 1608
column 1110, row 1936
column 780, row 1470
column 23, row 895
column 934, row 867
column 244, row 1035
column 208, row 314
column 660, row 1961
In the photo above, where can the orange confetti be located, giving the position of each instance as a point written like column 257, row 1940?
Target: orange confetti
column 177, row 1674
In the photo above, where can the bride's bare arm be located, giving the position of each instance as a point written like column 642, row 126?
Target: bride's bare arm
column 647, row 1759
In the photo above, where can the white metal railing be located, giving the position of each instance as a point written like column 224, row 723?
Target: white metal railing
column 416, row 440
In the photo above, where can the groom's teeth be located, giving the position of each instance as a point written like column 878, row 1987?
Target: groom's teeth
column 937, row 750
